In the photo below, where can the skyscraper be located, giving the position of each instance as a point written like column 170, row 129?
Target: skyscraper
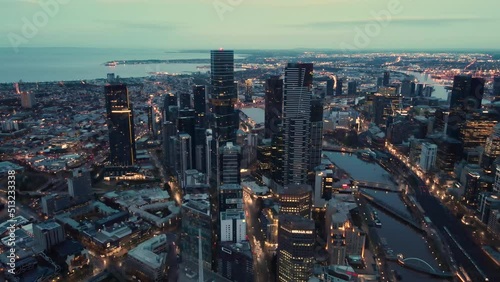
column 467, row 93
column 477, row 127
column 491, row 148
column 316, row 133
column 120, row 125
column 408, row 88
column 80, row 184
column 231, row 214
column 274, row 102
column 230, row 162
column 351, row 88
column 186, row 123
column 223, row 95
column 297, row 96
column 330, row 83
column 200, row 105
column 169, row 130
column 185, row 101
column 496, row 86
column 48, row 234
column 387, row 78
column 295, row 199
column 339, row 87
column 28, row 100
column 248, row 90
column 428, row 156
column 296, row 238
column 170, row 100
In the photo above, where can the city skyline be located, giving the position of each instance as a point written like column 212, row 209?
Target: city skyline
column 329, row 24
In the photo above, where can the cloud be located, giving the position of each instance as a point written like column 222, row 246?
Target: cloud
column 125, row 24
column 394, row 21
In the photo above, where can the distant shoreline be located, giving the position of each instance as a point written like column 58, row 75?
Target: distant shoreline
column 157, row 61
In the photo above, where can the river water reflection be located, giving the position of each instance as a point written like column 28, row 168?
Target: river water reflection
column 359, row 169
column 400, row 237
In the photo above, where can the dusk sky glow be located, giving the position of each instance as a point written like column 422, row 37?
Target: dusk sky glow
column 254, row 24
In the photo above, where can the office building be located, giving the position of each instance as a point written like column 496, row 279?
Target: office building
column 472, row 188
column 297, row 96
column 230, row 163
column 149, row 260
column 185, row 101
column 274, row 102
column 80, row 184
column 223, row 95
column 200, row 105
column 28, row 100
column 232, row 217
column 467, row 93
column 496, row 185
column 339, row 86
column 48, row 234
column 491, row 148
column 428, row 156
column 450, row 151
column 380, row 82
column 295, row 199
column 296, row 240
column 323, row 187
column 152, row 125
column 169, row 102
column 168, row 133
column 316, row 133
column 235, row 261
column 408, row 88
column 196, row 217
column 387, row 78
column 184, row 151
column 496, row 86
column 186, row 123
column 342, row 237
column 352, row 88
column 419, row 92
column 476, row 129
column 487, row 202
column 355, row 240
column 120, row 125
column 248, row 90
column 330, row 84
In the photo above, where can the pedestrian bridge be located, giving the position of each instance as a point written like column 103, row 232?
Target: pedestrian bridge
column 394, row 212
column 375, row 186
column 422, row 266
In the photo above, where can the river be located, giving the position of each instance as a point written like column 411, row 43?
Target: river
column 400, row 237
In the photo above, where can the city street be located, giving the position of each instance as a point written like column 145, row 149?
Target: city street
column 256, row 238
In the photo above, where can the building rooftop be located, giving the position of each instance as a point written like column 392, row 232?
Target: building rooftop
column 145, row 252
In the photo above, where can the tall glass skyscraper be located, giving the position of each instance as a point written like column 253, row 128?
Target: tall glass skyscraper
column 274, row 103
column 296, row 237
column 297, row 95
column 223, row 95
column 467, row 93
column 120, row 125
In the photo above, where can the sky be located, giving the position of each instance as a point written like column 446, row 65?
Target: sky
column 251, row 24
